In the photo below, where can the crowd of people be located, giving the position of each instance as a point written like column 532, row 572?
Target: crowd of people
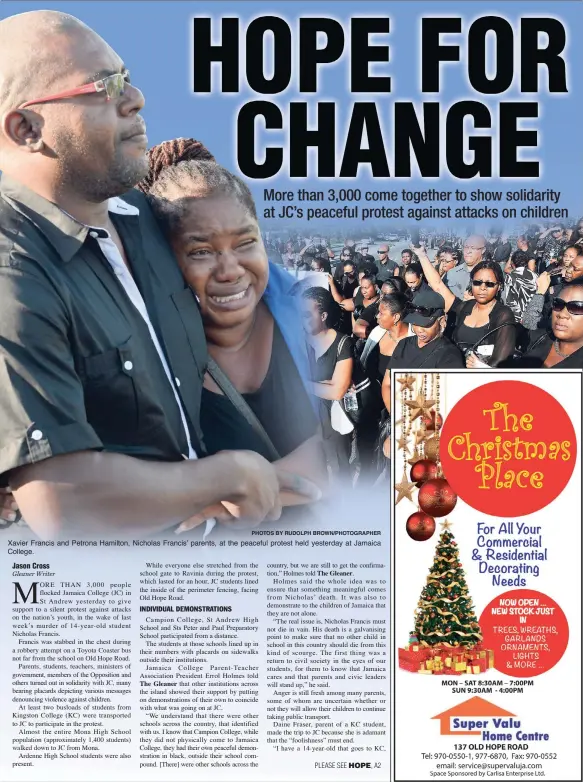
column 475, row 302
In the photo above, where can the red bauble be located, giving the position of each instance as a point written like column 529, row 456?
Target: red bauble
column 420, row 526
column 432, row 421
column 422, row 471
column 437, row 498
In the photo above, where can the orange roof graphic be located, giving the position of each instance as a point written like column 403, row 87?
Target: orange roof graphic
column 474, row 707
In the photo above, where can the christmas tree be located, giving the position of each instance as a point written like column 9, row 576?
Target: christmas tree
column 445, row 613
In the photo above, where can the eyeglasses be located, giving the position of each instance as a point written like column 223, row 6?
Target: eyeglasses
column 425, row 312
column 114, row 87
column 572, row 307
column 382, row 252
column 487, row 283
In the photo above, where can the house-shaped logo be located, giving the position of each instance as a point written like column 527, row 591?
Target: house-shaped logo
column 473, row 713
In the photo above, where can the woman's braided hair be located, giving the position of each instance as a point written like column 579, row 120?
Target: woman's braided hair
column 186, row 165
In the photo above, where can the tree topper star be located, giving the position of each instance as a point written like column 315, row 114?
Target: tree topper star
column 445, row 524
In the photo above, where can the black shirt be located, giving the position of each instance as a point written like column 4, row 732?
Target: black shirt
column 78, row 367
column 438, row 354
column 323, row 369
column 281, row 404
column 503, row 341
column 539, row 348
column 386, row 270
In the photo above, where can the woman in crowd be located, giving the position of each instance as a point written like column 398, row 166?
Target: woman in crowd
column 332, row 365
column 537, row 313
column 365, row 300
column 428, row 348
column 396, row 285
column 577, row 235
column 414, row 278
column 255, row 394
column 562, row 347
column 375, row 362
column 484, row 327
column 364, row 297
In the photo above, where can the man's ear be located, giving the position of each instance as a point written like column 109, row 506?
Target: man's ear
column 23, row 128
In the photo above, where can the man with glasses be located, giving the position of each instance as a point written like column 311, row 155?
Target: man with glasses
column 386, row 266
column 102, row 350
column 458, row 278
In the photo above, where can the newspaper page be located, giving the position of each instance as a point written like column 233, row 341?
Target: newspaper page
column 224, row 227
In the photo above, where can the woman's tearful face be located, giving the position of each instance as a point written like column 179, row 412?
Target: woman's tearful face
column 222, row 257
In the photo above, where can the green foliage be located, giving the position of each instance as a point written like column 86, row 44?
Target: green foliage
column 445, row 612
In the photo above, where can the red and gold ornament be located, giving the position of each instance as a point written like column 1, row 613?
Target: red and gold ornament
column 437, row 498
column 420, row 526
column 424, row 470
column 432, row 421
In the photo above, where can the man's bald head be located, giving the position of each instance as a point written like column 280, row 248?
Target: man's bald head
column 35, row 48
column 80, row 143
column 474, row 248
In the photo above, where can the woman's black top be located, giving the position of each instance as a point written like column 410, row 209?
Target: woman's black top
column 438, row 354
column 540, row 345
column 281, row 404
column 384, row 363
column 503, row 340
column 323, row 369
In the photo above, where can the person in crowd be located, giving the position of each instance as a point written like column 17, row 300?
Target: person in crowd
column 321, row 264
column 365, row 302
column 289, row 257
column 519, row 283
column 446, row 260
column 550, row 245
column 526, row 246
column 332, row 365
column 386, row 267
column 458, row 278
column 381, row 344
column 103, row 380
column 407, row 258
column 499, row 248
column 428, row 348
column 396, row 285
column 252, row 329
column 573, row 262
column 414, row 278
column 484, row 327
column 346, row 256
column 560, row 347
column 359, row 304
column 577, row 235
column 343, row 290
column 537, row 313
column 363, row 256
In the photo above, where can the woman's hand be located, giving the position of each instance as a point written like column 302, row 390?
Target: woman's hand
column 473, row 362
column 8, row 506
column 468, row 296
column 543, row 283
